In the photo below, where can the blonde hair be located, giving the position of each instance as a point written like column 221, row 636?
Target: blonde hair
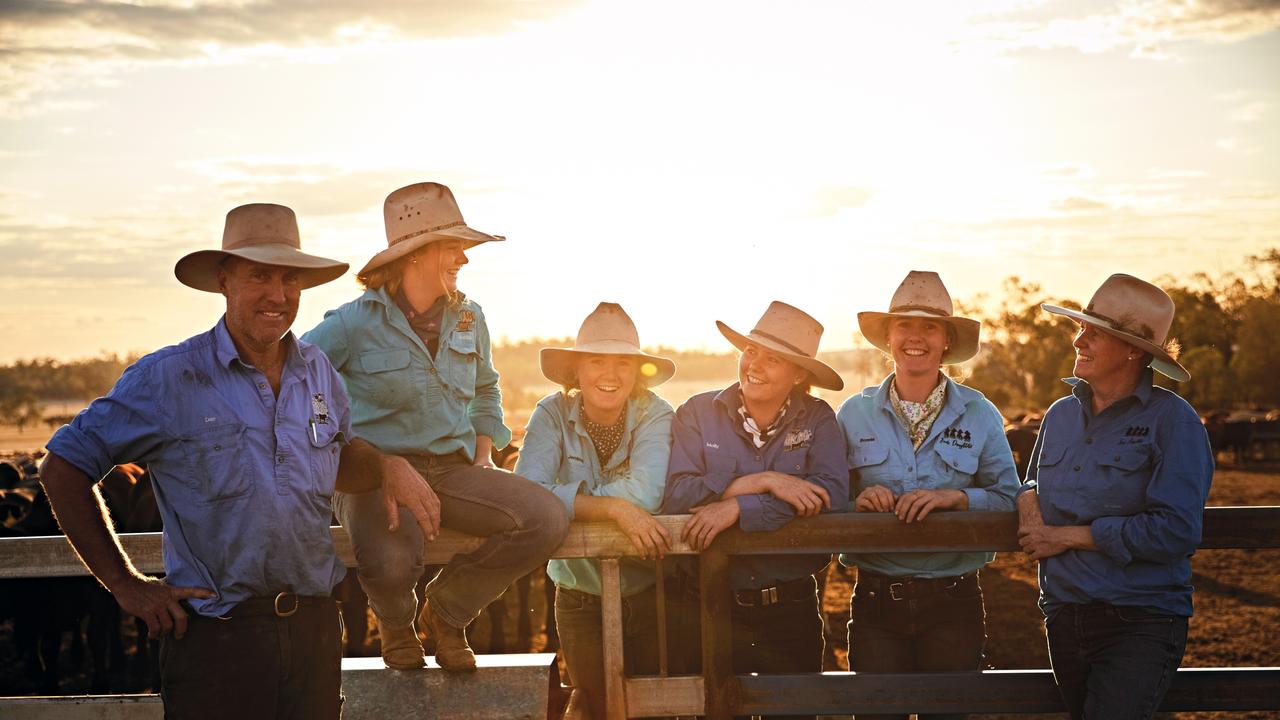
column 391, row 276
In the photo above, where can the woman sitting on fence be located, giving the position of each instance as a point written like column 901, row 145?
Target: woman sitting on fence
column 601, row 445
column 1113, row 507
column 758, row 454
column 414, row 353
column 921, row 442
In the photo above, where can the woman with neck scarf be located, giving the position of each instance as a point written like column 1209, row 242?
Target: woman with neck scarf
column 918, row 443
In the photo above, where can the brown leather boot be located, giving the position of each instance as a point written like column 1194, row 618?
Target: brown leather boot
column 401, row 649
column 452, row 651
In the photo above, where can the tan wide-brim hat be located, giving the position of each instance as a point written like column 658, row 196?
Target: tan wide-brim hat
column 1138, row 313
column 922, row 295
column 791, row 333
column 264, row 233
column 420, row 214
column 608, row 330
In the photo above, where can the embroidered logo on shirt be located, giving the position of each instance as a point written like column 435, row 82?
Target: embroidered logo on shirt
column 713, row 446
column 797, row 440
column 465, row 322
column 957, row 437
column 1137, row 431
column 870, row 439
column 320, row 408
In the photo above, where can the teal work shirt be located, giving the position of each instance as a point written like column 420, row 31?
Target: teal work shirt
column 403, row 400
column 965, row 450
column 560, row 456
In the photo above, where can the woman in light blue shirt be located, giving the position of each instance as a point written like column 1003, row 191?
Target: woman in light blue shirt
column 602, row 445
column 920, row 442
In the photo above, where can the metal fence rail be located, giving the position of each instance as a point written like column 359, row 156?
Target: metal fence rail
column 719, row 693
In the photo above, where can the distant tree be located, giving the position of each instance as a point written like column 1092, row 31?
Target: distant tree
column 1211, row 386
column 1256, row 362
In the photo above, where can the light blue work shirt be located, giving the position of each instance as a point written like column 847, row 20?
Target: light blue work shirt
column 965, row 450
column 559, row 455
column 403, row 400
column 1138, row 475
column 243, row 478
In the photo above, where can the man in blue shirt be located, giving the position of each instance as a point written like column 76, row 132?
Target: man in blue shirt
column 244, row 428
column 1113, row 508
column 758, row 454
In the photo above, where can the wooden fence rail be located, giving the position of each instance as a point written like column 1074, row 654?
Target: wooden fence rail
column 718, row 693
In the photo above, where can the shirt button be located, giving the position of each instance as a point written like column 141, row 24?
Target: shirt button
column 1076, row 468
column 432, row 371
column 279, row 459
column 262, row 386
column 908, row 468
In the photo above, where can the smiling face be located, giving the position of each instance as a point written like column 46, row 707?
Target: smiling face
column 262, row 302
column 1100, row 356
column 917, row 345
column 606, row 381
column 435, row 268
column 767, row 378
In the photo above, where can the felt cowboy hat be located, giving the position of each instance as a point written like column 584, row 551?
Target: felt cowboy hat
column 419, row 214
column 264, row 233
column 1138, row 313
column 791, row 333
column 608, row 330
column 922, row 295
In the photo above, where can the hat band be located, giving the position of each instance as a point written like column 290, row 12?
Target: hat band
column 780, row 341
column 416, row 233
column 921, row 308
column 1145, row 332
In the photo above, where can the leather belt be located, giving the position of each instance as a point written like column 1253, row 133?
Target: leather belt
column 788, row 591
column 282, row 605
column 910, row 588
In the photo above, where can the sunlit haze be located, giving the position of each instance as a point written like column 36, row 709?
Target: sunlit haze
column 691, row 161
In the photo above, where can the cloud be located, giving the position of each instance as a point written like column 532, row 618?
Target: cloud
column 831, row 199
column 1080, row 205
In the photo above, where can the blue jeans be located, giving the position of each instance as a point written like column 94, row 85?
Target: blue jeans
column 524, row 524
column 578, row 620
column 1113, row 661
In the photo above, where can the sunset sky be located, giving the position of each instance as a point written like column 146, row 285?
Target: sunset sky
column 690, row 160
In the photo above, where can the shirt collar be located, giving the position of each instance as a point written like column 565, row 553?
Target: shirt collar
column 1146, row 385
column 730, row 399
column 225, row 347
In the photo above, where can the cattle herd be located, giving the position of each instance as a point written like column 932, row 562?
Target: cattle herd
column 53, row 628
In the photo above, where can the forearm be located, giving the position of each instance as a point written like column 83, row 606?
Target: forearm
column 1029, row 509
column 83, row 517
column 752, row 484
column 359, row 467
column 595, row 508
column 484, row 448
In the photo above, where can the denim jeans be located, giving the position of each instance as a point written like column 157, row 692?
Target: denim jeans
column 1114, row 661
column 523, row 524
column 935, row 626
column 578, row 619
column 259, row 667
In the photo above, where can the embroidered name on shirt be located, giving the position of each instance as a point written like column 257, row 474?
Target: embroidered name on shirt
column 797, row 440
column 320, row 408
column 870, row 439
column 713, row 446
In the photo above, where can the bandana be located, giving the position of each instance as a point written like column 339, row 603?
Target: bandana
column 606, row 438
column 916, row 417
column 760, row 437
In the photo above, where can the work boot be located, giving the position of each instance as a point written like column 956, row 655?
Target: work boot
column 401, row 649
column 452, row 651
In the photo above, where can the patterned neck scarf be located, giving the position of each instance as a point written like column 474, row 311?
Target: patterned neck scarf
column 606, row 438
column 918, row 417
column 760, row 437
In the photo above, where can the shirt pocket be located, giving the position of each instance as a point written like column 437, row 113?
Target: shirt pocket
column 326, row 450
column 1125, row 472
column 462, row 360
column 388, row 377
column 577, row 470
column 956, row 466
column 217, row 465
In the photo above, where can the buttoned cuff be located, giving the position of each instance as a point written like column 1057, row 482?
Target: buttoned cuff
column 1027, row 486
column 493, row 428
column 567, row 493
column 81, row 451
column 1108, row 536
column 751, row 513
column 979, row 499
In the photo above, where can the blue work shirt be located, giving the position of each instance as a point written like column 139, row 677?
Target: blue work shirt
column 710, row 449
column 965, row 450
column 243, row 478
column 1138, row 475
column 403, row 400
column 560, row 456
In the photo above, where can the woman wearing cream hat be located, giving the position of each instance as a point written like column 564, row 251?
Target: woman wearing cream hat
column 414, row 353
column 1113, row 507
column 920, row 442
column 601, row 445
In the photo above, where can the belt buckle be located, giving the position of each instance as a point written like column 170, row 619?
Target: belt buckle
column 893, row 590
column 769, row 596
column 287, row 613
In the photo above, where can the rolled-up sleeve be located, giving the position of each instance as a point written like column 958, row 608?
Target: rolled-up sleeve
column 689, row 484
column 543, row 453
column 996, row 483
column 127, row 425
column 485, row 409
column 1170, row 527
column 825, row 466
column 643, row 482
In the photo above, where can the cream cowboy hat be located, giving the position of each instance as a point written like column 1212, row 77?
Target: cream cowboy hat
column 922, row 295
column 263, row 233
column 791, row 333
column 608, row 330
column 420, row 214
column 1138, row 313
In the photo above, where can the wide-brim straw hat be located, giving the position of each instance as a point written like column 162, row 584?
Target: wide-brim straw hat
column 264, row 233
column 608, row 330
column 792, row 333
column 922, row 295
column 420, row 214
column 1138, row 313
